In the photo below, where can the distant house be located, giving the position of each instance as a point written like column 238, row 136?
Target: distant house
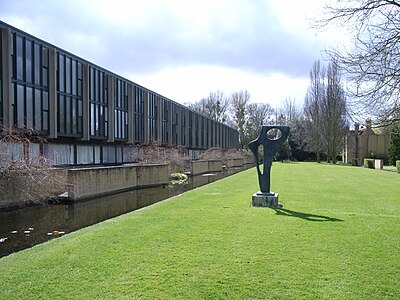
column 362, row 142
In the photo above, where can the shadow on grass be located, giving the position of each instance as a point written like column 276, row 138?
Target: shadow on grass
column 304, row 216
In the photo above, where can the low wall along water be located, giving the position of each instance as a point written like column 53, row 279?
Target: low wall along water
column 98, row 181
column 89, row 182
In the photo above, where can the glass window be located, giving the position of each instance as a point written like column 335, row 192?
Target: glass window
column 61, row 75
column 46, row 101
column 38, row 110
column 20, row 106
column 92, row 84
column 20, row 61
column 92, row 119
column 45, row 77
column 29, row 108
column 36, row 58
column 45, row 66
column 45, row 104
column 68, row 125
column 28, row 61
column 74, row 78
column 74, row 116
column 61, row 109
column 68, row 75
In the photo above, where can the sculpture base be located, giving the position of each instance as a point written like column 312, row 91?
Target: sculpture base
column 265, row 200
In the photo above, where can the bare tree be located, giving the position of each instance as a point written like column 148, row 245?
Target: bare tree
column 215, row 106
column 313, row 108
column 257, row 115
column 239, row 102
column 27, row 178
column 289, row 110
column 373, row 63
column 333, row 106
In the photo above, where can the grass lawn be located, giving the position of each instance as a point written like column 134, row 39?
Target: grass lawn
column 337, row 237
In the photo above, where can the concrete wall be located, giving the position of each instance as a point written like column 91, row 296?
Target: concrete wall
column 215, row 165
column 237, row 162
column 205, row 166
column 199, row 167
column 90, row 182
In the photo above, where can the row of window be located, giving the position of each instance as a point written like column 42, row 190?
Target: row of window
column 153, row 117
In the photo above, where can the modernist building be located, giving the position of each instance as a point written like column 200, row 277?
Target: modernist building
column 87, row 113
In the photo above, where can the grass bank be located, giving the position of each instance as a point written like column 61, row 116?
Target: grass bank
column 337, row 237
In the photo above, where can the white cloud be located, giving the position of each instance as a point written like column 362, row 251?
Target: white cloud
column 190, row 84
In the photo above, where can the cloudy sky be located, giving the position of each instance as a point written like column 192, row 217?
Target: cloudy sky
column 186, row 49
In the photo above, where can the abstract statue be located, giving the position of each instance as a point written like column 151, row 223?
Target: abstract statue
column 271, row 138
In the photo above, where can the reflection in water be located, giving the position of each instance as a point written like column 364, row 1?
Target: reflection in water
column 25, row 227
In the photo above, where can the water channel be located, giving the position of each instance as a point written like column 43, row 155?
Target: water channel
column 25, row 227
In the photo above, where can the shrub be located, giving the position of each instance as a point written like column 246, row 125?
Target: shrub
column 175, row 156
column 24, row 179
column 369, row 163
column 398, row 166
column 354, row 162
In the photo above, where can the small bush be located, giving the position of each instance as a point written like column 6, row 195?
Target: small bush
column 354, row 162
column 178, row 178
column 398, row 166
column 369, row 163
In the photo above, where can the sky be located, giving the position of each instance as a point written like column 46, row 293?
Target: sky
column 185, row 49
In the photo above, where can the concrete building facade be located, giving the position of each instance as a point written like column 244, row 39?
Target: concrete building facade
column 87, row 113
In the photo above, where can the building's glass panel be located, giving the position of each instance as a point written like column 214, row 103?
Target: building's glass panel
column 97, row 96
column 45, row 103
column 69, row 88
column 80, row 77
column 138, row 115
column 74, row 104
column 36, row 63
column 68, row 75
column 20, row 106
column 74, row 78
column 61, row 73
column 61, row 110
column 28, row 61
column 80, row 117
column 121, row 109
column 29, row 108
column 20, row 58
column 68, row 116
column 92, row 119
column 38, row 111
column 45, row 66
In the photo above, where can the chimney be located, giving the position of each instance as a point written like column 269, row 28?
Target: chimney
column 356, row 127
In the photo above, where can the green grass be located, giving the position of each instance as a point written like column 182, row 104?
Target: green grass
column 337, row 237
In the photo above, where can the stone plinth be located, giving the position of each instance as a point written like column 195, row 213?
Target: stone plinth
column 265, row 200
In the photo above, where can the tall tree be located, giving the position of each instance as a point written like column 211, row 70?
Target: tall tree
column 373, row 62
column 257, row 115
column 289, row 111
column 313, row 109
column 333, row 106
column 239, row 102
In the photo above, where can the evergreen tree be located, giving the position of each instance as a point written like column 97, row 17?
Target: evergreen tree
column 394, row 146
